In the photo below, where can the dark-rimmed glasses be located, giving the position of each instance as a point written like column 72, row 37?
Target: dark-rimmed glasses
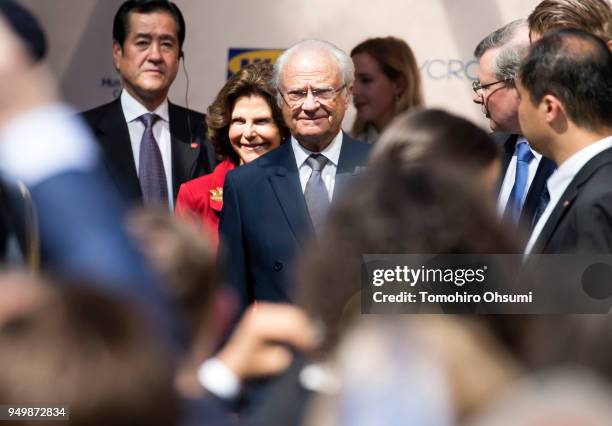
column 477, row 87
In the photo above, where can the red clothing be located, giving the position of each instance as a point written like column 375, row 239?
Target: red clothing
column 203, row 197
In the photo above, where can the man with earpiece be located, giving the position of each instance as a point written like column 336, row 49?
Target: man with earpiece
column 150, row 145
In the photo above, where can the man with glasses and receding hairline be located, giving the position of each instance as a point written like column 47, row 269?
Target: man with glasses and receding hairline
column 272, row 205
column 522, row 195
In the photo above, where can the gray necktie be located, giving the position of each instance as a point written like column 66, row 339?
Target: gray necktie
column 151, row 173
column 317, row 198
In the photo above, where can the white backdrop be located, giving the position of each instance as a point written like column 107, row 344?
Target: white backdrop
column 442, row 33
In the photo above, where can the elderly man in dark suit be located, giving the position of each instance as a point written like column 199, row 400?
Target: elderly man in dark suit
column 274, row 204
column 151, row 146
column 522, row 195
column 565, row 113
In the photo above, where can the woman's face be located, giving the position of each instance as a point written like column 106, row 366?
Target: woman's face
column 373, row 92
column 252, row 130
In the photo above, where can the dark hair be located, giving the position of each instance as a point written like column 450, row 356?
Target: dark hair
column 121, row 23
column 433, row 135
column 396, row 60
column 593, row 16
column 418, row 209
column 575, row 67
column 254, row 79
column 89, row 351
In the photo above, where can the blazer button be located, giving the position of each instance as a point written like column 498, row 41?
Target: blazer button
column 278, row 266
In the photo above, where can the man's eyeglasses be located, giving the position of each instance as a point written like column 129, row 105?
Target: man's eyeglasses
column 477, row 87
column 295, row 98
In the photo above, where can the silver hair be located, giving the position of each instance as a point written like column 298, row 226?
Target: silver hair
column 512, row 49
column 345, row 63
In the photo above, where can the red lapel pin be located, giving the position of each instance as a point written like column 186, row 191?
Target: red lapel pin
column 194, row 145
column 565, row 203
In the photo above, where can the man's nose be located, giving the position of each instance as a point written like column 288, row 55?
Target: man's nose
column 310, row 102
column 154, row 52
column 477, row 99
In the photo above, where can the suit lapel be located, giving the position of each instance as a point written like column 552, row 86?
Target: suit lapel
column 349, row 164
column 567, row 199
column 185, row 147
column 113, row 134
column 285, row 180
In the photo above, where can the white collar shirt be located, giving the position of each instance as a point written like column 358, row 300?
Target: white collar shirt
column 328, row 174
column 132, row 110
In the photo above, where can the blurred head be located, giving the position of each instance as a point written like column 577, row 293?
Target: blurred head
column 499, row 56
column 244, row 121
column 555, row 92
column 88, row 351
column 314, row 80
column 414, row 209
column 436, row 136
column 387, row 82
column 592, row 16
column 148, row 38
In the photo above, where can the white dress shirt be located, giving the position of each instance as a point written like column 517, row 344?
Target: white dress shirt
column 509, row 177
column 560, row 180
column 328, row 174
column 133, row 110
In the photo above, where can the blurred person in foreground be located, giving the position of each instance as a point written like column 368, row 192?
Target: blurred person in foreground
column 263, row 343
column 432, row 136
column 272, row 205
column 92, row 354
column 244, row 123
column 567, row 117
column 592, row 16
column 387, row 83
column 418, row 208
column 521, row 192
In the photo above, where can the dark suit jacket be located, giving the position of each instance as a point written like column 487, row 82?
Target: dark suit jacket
column 581, row 222
column 192, row 155
column 265, row 220
column 538, row 185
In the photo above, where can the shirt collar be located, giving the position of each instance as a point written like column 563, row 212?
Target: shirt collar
column 570, row 167
column 536, row 154
column 132, row 109
column 331, row 151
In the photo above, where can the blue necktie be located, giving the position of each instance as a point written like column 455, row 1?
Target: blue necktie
column 316, row 195
column 151, row 173
column 515, row 202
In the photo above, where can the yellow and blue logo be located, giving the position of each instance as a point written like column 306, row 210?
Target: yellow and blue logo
column 240, row 58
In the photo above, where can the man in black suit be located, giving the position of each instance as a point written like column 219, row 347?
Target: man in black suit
column 272, row 205
column 151, row 146
column 565, row 85
column 522, row 189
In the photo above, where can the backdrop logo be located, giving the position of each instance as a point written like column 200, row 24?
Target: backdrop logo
column 450, row 69
column 240, row 58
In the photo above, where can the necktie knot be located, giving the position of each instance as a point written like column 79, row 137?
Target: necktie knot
column 316, row 162
column 523, row 152
column 149, row 119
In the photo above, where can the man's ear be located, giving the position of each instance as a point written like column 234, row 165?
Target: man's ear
column 553, row 109
column 349, row 96
column 117, row 54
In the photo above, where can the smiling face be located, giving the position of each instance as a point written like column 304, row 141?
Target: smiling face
column 499, row 102
column 314, row 122
column 149, row 58
column 252, row 131
column 373, row 93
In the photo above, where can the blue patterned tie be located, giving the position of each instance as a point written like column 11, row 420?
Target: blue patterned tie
column 523, row 158
column 151, row 173
column 316, row 195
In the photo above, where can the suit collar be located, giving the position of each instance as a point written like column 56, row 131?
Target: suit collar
column 569, row 195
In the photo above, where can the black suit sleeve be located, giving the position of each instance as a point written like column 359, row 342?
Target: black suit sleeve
column 593, row 222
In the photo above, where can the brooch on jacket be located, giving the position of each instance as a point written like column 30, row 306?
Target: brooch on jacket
column 216, row 194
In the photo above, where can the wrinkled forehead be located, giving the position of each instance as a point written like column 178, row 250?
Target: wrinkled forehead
column 315, row 67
